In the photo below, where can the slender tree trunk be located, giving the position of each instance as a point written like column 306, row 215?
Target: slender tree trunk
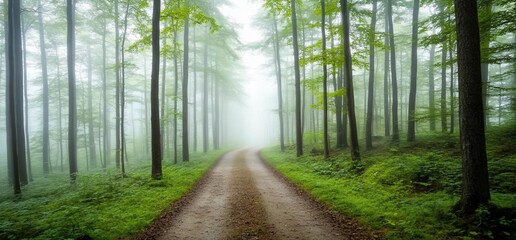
column 386, row 95
column 44, row 76
column 176, row 89
column 413, row 75
column 186, row 149
column 25, row 176
column 194, row 90
column 452, row 91
column 299, row 136
column 117, row 86
column 205, row 134
column 395, row 131
column 370, row 95
column 91, row 135
column 60, row 113
column 277, row 65
column 146, row 107
column 444, row 127
column 123, row 147
column 106, row 127
column 325, row 82
column 431, row 89
column 164, row 147
column 475, row 180
column 355, row 151
column 72, row 105
column 155, row 123
column 14, row 79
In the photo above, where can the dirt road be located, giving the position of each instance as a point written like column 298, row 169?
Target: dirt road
column 242, row 198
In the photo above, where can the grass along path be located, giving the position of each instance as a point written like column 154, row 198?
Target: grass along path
column 102, row 206
column 407, row 192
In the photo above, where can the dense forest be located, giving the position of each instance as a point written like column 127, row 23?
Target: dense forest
column 398, row 114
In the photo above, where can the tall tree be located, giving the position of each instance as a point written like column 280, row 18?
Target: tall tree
column 277, row 66
column 118, row 140
column 394, row 81
column 205, row 134
column 297, row 82
column 386, row 95
column 475, row 180
column 325, row 82
column 348, row 71
column 431, row 89
column 72, row 104
column 91, row 137
column 186, row 150
column 44, row 76
column 155, row 128
column 413, row 75
column 444, row 127
column 370, row 92
column 14, row 70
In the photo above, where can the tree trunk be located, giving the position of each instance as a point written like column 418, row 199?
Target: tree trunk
column 299, row 135
column 117, row 86
column 386, row 95
column 452, row 91
column 277, row 65
column 395, row 130
column 25, row 176
column 370, row 95
column 107, row 139
column 444, row 127
column 205, row 134
column 194, row 90
column 413, row 75
column 355, row 151
column 72, row 104
column 176, row 89
column 325, row 82
column 475, row 181
column 44, row 76
column 186, row 149
column 93, row 152
column 155, row 123
column 431, row 89
column 14, row 79
column 123, row 147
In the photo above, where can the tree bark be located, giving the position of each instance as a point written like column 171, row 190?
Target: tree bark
column 91, row 135
column 394, row 82
column 44, row 76
column 277, row 65
column 72, row 104
column 186, row 149
column 355, row 151
column 14, row 78
column 413, row 75
column 205, row 134
column 155, row 123
column 475, row 181
column 106, row 127
column 325, row 82
column 370, row 95
column 297, row 83
column 444, row 127
column 386, row 95
column 431, row 89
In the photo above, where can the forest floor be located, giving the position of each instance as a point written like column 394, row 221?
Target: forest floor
column 242, row 197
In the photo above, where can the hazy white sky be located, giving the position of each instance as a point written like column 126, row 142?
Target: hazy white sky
column 258, row 83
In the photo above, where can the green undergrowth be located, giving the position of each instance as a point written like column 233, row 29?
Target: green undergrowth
column 408, row 191
column 101, row 205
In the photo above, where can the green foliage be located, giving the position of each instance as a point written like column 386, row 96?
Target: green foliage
column 408, row 191
column 101, row 205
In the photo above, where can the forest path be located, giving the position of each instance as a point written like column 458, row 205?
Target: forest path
column 243, row 198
